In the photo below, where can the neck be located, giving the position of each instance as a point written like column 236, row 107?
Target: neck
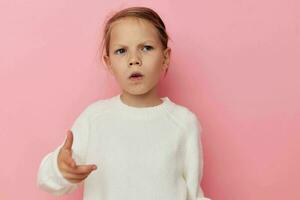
column 141, row 100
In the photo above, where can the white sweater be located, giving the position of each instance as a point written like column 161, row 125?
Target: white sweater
column 141, row 153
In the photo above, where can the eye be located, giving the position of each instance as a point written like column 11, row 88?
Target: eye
column 147, row 48
column 120, row 51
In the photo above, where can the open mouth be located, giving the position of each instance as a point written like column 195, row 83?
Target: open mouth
column 136, row 76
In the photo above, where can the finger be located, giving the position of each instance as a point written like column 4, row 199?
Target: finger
column 81, row 169
column 84, row 169
column 75, row 177
column 76, row 172
column 69, row 140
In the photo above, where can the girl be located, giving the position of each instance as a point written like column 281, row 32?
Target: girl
column 135, row 145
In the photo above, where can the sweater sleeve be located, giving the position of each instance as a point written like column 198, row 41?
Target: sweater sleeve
column 49, row 177
column 193, row 162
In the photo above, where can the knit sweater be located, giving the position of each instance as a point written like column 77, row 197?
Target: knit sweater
column 141, row 153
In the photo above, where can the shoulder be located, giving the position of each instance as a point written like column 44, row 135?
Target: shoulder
column 185, row 117
column 96, row 108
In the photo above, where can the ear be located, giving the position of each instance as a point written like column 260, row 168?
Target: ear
column 108, row 64
column 167, row 56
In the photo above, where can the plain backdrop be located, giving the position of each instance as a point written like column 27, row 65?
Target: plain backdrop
column 234, row 63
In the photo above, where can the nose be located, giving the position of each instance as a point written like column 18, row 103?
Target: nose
column 134, row 60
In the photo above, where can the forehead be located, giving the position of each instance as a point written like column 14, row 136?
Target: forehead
column 132, row 29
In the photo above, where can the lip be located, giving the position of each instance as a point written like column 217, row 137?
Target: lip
column 136, row 78
column 136, row 72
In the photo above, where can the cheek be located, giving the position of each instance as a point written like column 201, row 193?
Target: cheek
column 120, row 68
column 155, row 68
column 118, row 63
column 114, row 60
column 154, row 60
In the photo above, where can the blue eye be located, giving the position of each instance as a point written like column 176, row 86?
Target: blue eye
column 122, row 50
column 119, row 51
column 147, row 47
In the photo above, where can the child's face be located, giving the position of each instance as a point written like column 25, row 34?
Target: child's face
column 135, row 46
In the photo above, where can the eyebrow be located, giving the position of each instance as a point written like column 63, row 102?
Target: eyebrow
column 138, row 44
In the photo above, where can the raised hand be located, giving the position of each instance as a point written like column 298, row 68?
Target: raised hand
column 67, row 166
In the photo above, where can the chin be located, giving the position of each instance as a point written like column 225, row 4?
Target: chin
column 137, row 91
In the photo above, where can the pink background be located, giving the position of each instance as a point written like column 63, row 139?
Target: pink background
column 234, row 63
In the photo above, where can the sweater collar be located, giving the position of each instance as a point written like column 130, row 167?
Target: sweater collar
column 142, row 112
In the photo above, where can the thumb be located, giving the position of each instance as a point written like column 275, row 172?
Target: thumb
column 69, row 140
